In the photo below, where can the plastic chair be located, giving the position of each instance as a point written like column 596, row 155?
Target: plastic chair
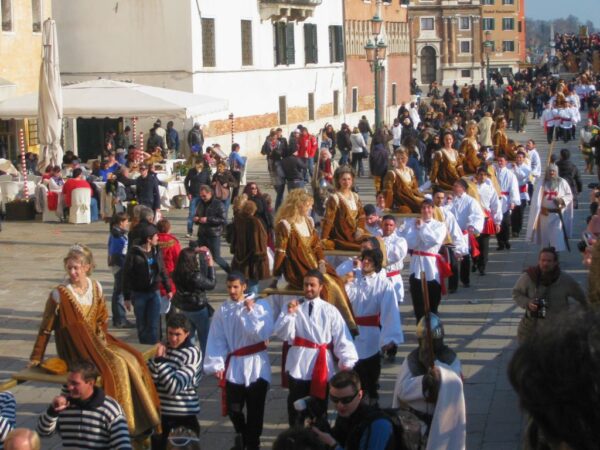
column 80, row 211
column 48, row 215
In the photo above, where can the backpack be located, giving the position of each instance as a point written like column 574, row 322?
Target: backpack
column 407, row 428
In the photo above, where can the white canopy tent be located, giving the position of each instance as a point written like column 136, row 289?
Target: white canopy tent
column 107, row 98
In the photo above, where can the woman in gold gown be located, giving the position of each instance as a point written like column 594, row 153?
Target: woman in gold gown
column 401, row 188
column 500, row 139
column 76, row 312
column 344, row 222
column 469, row 150
column 298, row 250
column 447, row 164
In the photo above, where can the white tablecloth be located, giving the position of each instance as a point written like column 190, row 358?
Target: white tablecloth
column 9, row 190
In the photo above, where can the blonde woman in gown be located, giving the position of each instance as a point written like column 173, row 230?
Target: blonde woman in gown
column 447, row 164
column 500, row 139
column 469, row 150
column 76, row 312
column 298, row 249
column 400, row 187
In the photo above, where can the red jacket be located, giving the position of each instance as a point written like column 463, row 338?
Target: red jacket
column 170, row 248
column 72, row 184
column 307, row 146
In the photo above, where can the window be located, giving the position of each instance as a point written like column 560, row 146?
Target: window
column 32, row 132
column 465, row 46
column 488, row 24
column 285, row 51
column 36, row 16
column 7, row 18
column 311, row 51
column 311, row 106
column 508, row 2
column 394, row 94
column 336, row 103
column 465, row 73
column 508, row 46
column 247, row 59
column 208, row 43
column 487, row 2
column 282, row 110
column 354, row 99
column 336, row 44
column 520, row 26
column 508, row 23
column 464, row 23
column 427, row 24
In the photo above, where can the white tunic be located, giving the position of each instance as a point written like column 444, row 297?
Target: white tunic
column 489, row 200
column 536, row 164
column 468, row 212
column 459, row 240
column 550, row 118
column 234, row 327
column 373, row 295
column 325, row 325
column 522, row 173
column 427, row 238
column 397, row 249
column 566, row 118
column 509, row 187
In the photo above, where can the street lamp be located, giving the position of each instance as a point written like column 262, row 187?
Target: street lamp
column 488, row 46
column 376, row 51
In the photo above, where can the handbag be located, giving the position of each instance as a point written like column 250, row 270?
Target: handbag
column 189, row 301
column 365, row 153
column 221, row 192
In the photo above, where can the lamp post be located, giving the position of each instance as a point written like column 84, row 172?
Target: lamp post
column 376, row 51
column 487, row 48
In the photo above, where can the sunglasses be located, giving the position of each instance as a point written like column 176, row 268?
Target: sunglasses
column 343, row 400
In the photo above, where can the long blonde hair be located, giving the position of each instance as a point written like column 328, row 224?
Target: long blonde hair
column 290, row 209
column 83, row 254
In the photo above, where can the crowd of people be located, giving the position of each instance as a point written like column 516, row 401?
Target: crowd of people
column 576, row 51
column 448, row 179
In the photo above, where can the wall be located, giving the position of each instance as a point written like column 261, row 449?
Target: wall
column 498, row 12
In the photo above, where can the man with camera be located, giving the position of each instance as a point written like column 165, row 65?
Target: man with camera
column 544, row 291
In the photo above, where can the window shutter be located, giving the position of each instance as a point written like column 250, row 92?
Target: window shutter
column 315, row 48
column 276, row 43
column 310, row 44
column 339, row 44
column 331, row 44
column 290, row 52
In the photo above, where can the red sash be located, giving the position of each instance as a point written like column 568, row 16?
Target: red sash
column 368, row 321
column 506, row 194
column 473, row 244
column 52, row 201
column 318, row 383
column 488, row 225
column 523, row 189
column 443, row 267
column 244, row 351
column 393, row 273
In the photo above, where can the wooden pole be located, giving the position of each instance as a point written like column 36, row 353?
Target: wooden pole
column 23, row 164
column 232, row 128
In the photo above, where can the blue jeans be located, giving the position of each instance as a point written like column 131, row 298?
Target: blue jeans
column 146, row 307
column 94, row 209
column 295, row 184
column 279, row 197
column 119, row 314
column 214, row 245
column 310, row 166
column 365, row 137
column 200, row 326
column 226, row 203
column 344, row 157
column 191, row 213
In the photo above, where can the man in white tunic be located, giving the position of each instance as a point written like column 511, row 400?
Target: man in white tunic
column 425, row 236
column 535, row 164
column 378, row 319
column 492, row 208
column 317, row 332
column 396, row 250
column 522, row 172
column 551, row 200
column 565, row 119
column 509, row 197
column 470, row 218
column 236, row 353
column 434, row 394
column 550, row 120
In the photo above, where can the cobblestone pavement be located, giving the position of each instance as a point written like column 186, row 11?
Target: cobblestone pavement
column 480, row 322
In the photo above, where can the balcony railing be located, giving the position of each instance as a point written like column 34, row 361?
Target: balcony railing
column 290, row 10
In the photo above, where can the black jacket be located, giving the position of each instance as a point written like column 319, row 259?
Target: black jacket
column 343, row 141
column 569, row 172
column 293, row 168
column 138, row 275
column 378, row 160
column 197, row 282
column 194, row 179
column 146, row 191
column 215, row 218
column 349, row 431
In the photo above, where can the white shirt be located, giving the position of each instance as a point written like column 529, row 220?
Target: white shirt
column 427, row 238
column 522, row 173
column 371, row 295
column 234, row 327
column 459, row 240
column 489, row 200
column 509, row 187
column 325, row 325
column 397, row 135
column 549, row 117
column 566, row 118
column 468, row 212
column 396, row 250
column 536, row 163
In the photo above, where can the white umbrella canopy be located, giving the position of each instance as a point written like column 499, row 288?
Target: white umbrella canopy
column 108, row 98
column 50, row 101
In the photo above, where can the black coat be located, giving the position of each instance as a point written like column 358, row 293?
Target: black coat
column 197, row 282
column 293, row 168
column 343, row 141
column 378, row 160
column 569, row 172
column 194, row 179
column 215, row 218
column 146, row 191
column 136, row 272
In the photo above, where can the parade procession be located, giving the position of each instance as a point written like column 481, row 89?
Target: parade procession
column 299, row 225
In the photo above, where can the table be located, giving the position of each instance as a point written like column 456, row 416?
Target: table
column 9, row 190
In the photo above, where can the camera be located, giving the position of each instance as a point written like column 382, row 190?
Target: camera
column 542, row 308
column 310, row 414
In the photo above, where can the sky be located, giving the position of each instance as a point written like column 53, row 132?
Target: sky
column 552, row 9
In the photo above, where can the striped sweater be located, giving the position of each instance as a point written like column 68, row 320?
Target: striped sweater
column 176, row 376
column 8, row 415
column 97, row 423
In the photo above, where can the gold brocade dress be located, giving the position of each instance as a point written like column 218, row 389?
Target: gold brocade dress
column 469, row 150
column 500, row 143
column 343, row 218
column 402, row 191
column 446, row 168
column 298, row 250
column 79, row 324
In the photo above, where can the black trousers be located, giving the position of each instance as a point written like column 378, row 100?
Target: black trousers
column 435, row 296
column 168, row 423
column 516, row 218
column 564, row 134
column 484, row 250
column 550, row 134
column 369, row 370
column 460, row 271
column 299, row 389
column 253, row 397
column 503, row 237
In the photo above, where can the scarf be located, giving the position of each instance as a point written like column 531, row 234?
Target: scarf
column 543, row 279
